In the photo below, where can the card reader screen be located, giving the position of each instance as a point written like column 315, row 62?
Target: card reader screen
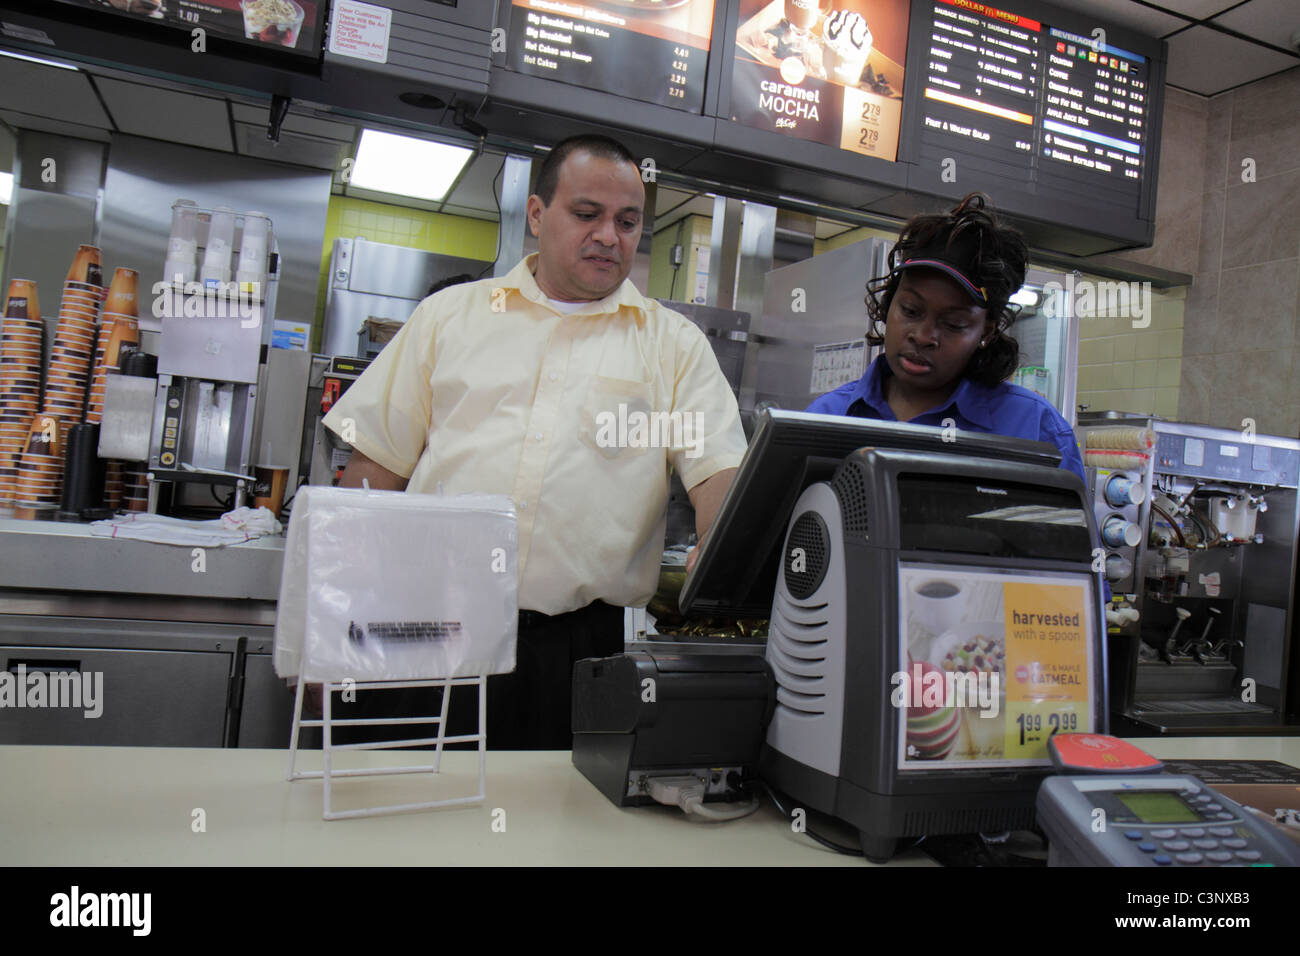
column 1157, row 807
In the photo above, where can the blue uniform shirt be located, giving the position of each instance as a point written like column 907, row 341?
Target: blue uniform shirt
column 1003, row 409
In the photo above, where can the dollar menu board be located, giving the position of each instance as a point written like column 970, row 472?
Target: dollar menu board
column 1032, row 102
column 995, row 663
column 286, row 25
column 651, row 50
column 830, row 74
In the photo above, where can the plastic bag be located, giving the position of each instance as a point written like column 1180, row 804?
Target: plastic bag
column 385, row 585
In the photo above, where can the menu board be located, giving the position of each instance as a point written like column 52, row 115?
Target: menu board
column 994, row 664
column 831, row 76
column 288, row 25
column 1030, row 101
column 651, row 50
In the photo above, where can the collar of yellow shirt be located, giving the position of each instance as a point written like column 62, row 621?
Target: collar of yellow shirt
column 521, row 279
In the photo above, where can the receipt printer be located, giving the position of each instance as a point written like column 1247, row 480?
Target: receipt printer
column 648, row 714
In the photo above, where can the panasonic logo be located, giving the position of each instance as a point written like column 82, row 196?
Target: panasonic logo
column 991, row 491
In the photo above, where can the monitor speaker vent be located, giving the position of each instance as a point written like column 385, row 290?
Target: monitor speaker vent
column 807, row 555
column 850, row 487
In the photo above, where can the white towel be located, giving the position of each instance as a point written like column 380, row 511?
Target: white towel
column 233, row 527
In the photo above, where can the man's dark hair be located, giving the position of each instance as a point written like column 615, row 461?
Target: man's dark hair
column 441, row 284
column 999, row 265
column 603, row 147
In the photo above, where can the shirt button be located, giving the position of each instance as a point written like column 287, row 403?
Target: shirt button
column 523, row 505
column 552, row 376
column 538, row 436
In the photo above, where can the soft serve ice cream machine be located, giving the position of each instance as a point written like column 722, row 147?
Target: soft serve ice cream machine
column 1199, row 530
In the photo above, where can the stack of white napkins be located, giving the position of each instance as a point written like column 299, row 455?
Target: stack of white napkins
column 233, row 527
column 389, row 585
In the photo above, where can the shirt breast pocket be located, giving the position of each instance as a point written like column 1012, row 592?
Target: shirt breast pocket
column 617, row 418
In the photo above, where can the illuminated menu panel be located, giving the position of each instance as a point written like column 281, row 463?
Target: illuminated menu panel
column 1015, row 97
column 286, row 25
column 823, row 73
column 1095, row 110
column 657, row 52
column 982, row 81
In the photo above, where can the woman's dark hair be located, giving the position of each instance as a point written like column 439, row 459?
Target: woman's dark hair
column 999, row 261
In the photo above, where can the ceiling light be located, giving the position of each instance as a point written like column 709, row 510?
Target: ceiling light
column 37, row 59
column 6, row 188
column 405, row 166
column 1026, row 297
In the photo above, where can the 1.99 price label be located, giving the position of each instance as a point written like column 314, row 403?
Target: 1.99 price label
column 1030, row 724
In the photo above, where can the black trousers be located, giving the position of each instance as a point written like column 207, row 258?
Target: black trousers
column 529, row 709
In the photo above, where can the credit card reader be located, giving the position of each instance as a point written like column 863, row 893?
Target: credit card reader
column 1113, row 816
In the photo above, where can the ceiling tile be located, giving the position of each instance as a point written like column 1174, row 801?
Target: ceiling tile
column 293, row 148
column 1124, row 13
column 1196, row 9
column 42, row 124
column 1272, row 21
column 295, row 123
column 49, row 91
column 475, row 187
column 1208, row 62
column 169, row 115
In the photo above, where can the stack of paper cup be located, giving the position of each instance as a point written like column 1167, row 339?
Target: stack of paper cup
column 40, row 467
column 74, row 338
column 113, row 485
column 135, row 486
column 120, row 326
column 22, row 339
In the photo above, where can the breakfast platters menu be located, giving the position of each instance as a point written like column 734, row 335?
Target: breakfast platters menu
column 993, row 664
column 826, row 71
column 288, row 25
column 651, row 50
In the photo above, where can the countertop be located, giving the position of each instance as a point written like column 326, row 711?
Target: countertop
column 65, row 556
column 119, row 806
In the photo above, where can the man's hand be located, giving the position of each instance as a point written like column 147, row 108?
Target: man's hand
column 380, row 478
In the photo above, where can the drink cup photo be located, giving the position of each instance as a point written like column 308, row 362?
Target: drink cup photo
column 937, row 604
column 268, row 487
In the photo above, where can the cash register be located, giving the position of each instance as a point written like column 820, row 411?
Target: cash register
column 935, row 616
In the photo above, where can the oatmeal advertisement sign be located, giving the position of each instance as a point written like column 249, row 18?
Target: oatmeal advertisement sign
column 282, row 24
column 993, row 665
column 827, row 71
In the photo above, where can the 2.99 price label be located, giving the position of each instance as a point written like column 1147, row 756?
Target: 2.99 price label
column 1030, row 724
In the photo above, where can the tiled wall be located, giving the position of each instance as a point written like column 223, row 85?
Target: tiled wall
column 1242, row 351
column 1133, row 369
column 694, row 236
column 400, row 226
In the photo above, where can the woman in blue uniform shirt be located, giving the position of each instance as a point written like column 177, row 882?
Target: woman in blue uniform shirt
column 944, row 308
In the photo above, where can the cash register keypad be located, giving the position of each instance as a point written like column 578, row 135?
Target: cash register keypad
column 1192, row 845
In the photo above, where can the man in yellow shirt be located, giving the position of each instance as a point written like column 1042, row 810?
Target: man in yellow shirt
column 561, row 386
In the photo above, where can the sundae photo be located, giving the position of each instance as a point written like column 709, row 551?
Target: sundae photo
column 832, row 43
column 272, row 21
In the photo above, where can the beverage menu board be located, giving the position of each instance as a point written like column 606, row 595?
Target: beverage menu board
column 826, row 73
column 651, row 50
column 290, row 25
column 1023, row 99
column 993, row 665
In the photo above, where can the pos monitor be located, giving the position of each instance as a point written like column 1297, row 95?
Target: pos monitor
column 935, row 616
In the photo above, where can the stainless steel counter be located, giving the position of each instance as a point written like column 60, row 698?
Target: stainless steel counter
column 50, row 556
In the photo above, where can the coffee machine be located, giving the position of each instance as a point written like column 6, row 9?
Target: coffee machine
column 214, row 338
column 1199, row 530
